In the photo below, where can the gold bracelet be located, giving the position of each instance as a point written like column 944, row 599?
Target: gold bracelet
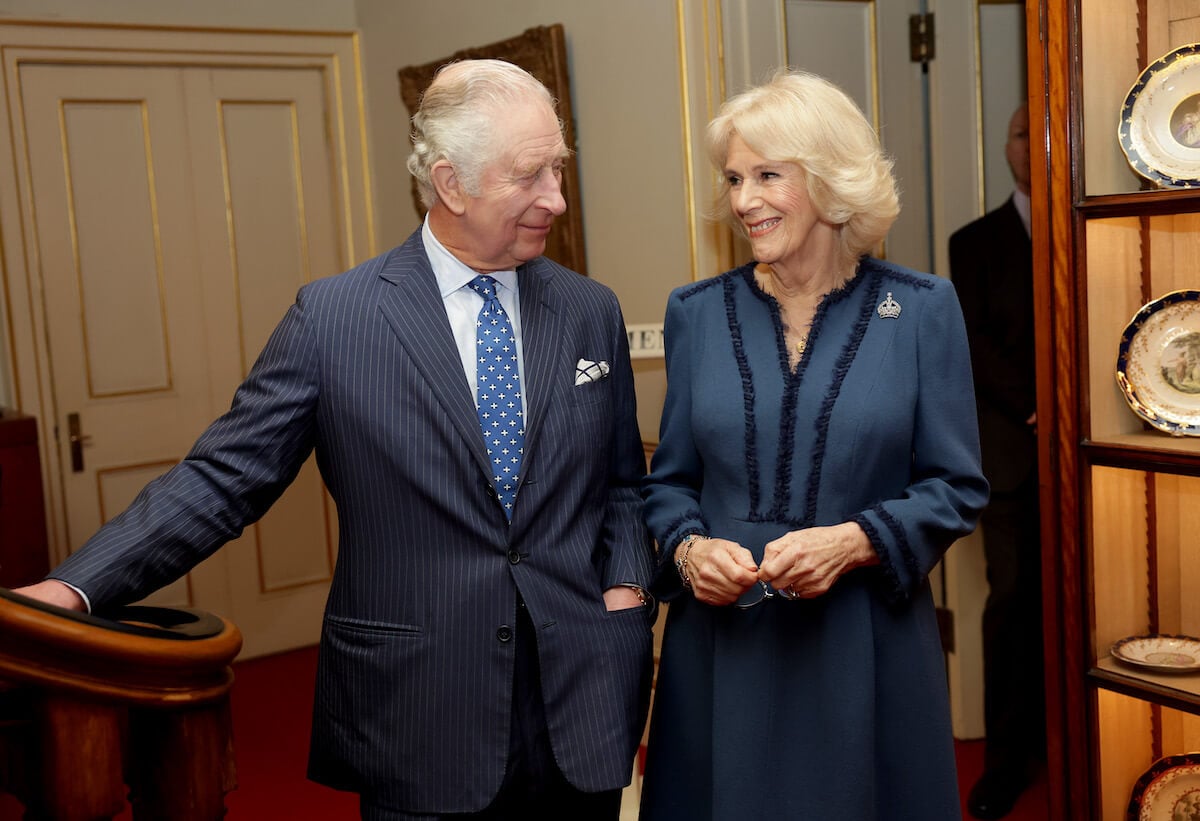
column 640, row 592
column 681, row 562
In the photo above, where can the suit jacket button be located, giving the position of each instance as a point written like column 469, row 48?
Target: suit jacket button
column 513, row 557
column 504, row 633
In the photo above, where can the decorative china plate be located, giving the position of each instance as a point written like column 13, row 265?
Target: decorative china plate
column 1164, row 654
column 1158, row 363
column 1159, row 129
column 1168, row 791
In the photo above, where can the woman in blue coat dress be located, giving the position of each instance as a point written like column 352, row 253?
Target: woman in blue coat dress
column 818, row 454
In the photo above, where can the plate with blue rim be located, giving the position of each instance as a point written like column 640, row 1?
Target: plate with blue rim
column 1158, row 363
column 1162, row 653
column 1159, row 130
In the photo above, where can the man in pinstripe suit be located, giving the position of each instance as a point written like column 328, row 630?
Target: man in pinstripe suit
column 477, row 660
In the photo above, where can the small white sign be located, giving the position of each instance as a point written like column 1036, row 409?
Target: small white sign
column 645, row 341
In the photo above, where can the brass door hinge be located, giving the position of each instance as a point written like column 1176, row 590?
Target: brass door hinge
column 921, row 48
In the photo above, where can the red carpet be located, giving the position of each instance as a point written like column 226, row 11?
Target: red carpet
column 1031, row 806
column 272, row 716
column 272, row 704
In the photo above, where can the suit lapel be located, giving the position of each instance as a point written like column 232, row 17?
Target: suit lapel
column 541, row 342
column 417, row 315
column 1015, row 229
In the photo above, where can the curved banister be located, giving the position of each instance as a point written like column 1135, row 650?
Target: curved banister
column 135, row 708
column 43, row 647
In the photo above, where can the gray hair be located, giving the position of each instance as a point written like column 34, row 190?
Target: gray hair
column 455, row 119
column 800, row 118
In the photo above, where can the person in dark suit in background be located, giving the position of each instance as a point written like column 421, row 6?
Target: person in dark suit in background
column 486, row 647
column 991, row 264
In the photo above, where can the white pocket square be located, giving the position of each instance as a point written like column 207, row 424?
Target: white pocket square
column 588, row 371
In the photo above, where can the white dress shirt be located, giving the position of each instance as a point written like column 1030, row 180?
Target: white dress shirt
column 1021, row 201
column 463, row 304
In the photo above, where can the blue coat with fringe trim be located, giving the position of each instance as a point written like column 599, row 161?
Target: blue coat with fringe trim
column 832, row 708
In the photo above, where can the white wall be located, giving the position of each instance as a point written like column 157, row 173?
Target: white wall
column 274, row 14
column 324, row 15
column 625, row 76
column 625, row 87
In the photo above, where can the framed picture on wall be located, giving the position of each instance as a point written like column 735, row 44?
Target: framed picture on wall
column 542, row 51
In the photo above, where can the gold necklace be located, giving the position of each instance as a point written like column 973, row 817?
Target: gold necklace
column 765, row 276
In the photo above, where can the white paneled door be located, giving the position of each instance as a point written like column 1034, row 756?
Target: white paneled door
column 943, row 119
column 173, row 211
column 863, row 46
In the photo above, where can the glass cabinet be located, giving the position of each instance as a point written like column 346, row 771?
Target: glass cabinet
column 1120, row 496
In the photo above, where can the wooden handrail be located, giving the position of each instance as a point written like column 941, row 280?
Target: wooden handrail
column 41, row 647
column 112, row 703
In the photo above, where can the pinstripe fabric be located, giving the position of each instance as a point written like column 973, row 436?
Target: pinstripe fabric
column 414, row 681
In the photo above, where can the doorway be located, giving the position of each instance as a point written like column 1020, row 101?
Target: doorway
column 167, row 194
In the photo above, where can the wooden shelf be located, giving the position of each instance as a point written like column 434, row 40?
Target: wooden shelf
column 1179, row 691
column 1141, row 203
column 1118, row 498
column 1150, row 451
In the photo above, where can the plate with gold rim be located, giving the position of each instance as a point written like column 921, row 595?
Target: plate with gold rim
column 1161, row 653
column 1158, row 363
column 1159, row 129
column 1168, row 791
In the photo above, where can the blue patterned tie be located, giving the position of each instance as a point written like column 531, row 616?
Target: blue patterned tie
column 499, row 391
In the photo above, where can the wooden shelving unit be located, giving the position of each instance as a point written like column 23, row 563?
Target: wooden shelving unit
column 1121, row 502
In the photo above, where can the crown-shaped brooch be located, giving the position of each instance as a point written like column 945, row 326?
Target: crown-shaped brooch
column 889, row 308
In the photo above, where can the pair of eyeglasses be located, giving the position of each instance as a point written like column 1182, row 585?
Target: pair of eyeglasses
column 762, row 591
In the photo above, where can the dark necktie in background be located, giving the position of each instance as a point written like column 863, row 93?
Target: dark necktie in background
column 498, row 389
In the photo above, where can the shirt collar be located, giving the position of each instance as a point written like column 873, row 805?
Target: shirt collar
column 1021, row 201
column 451, row 272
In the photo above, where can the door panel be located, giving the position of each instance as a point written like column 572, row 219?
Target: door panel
column 267, row 223
column 178, row 210
column 1002, row 57
column 837, row 41
column 862, row 45
column 125, row 342
column 116, row 253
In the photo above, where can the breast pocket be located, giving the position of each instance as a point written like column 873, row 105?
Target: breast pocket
column 592, row 393
column 590, row 420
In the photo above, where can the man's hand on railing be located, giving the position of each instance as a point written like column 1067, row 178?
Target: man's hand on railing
column 52, row 591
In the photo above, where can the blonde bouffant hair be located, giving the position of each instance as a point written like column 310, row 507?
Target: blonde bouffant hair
column 800, row 118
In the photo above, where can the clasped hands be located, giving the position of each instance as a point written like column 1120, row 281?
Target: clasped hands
column 805, row 563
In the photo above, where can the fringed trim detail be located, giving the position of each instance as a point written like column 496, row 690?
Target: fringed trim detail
column 899, row 275
column 704, row 285
column 870, row 275
column 787, row 415
column 747, row 376
column 885, row 561
column 774, row 518
column 691, row 521
column 787, row 440
column 901, row 537
column 747, row 273
column 666, row 583
column 841, row 368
